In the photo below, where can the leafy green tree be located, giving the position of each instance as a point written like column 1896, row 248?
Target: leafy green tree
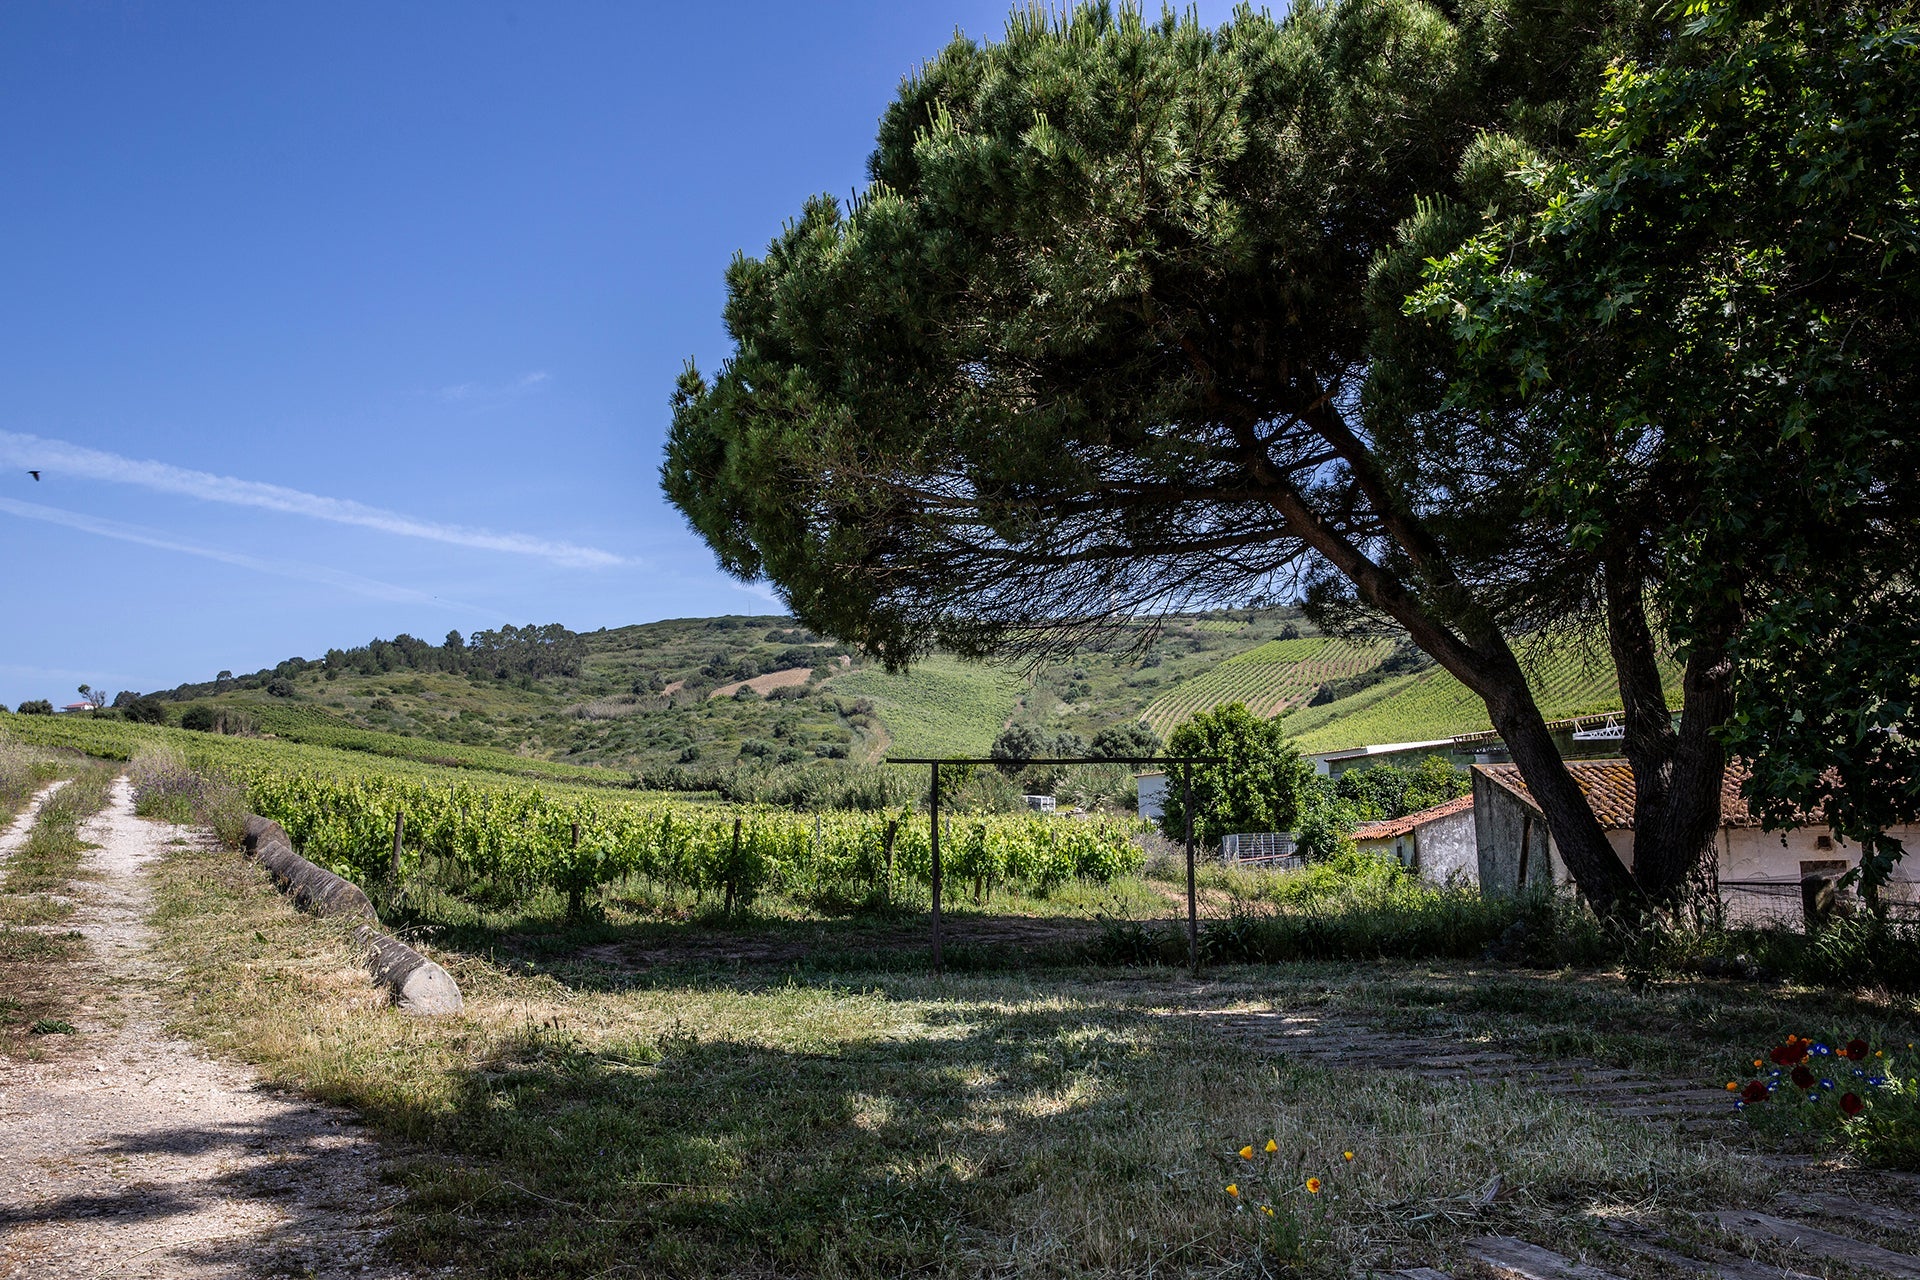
column 1261, row 787
column 36, row 707
column 1097, row 342
column 1135, row 738
column 1708, row 318
column 1394, row 791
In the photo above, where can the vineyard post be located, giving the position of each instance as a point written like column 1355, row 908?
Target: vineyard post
column 1193, row 899
column 934, row 808
column 733, row 867
column 399, row 833
column 576, row 902
column 893, row 829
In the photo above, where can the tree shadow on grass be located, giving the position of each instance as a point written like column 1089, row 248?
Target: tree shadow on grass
column 714, row 1156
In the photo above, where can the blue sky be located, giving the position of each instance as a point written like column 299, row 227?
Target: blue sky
column 332, row 321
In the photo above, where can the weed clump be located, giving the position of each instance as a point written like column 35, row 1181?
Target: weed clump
column 167, row 788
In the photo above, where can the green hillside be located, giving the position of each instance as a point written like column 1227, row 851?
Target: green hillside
column 1432, row 704
column 941, row 708
column 664, row 696
column 665, row 702
column 1270, row 679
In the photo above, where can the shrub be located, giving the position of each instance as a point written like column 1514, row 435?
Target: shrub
column 36, row 707
column 145, row 710
column 198, row 717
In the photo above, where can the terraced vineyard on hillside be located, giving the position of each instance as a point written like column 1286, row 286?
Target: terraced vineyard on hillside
column 1271, row 680
column 1432, row 704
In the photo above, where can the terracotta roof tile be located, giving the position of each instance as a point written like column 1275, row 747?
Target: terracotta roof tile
column 1388, row 828
column 1608, row 787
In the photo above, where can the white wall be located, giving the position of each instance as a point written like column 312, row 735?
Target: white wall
column 1760, row 870
column 1443, row 851
column 1153, row 795
column 1448, row 853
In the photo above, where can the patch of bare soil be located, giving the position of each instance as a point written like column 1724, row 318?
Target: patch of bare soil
column 702, row 947
column 128, row 1152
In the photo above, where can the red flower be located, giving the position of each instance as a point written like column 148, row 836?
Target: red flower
column 1788, row 1054
column 1856, row 1049
column 1803, row 1077
column 1754, row 1092
column 1851, row 1104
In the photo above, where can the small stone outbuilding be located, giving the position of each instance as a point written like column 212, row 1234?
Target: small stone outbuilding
column 1439, row 844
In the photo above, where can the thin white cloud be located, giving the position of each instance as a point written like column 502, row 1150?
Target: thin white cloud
column 279, row 568
column 57, row 458
column 462, row 391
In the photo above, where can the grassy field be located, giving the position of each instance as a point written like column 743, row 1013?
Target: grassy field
column 675, row 1094
column 942, row 707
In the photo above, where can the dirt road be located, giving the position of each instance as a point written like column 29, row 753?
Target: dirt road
column 129, row 1153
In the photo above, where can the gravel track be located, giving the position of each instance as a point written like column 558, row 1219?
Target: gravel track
column 131, row 1153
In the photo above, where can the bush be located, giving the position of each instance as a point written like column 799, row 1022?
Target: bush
column 198, row 717
column 36, row 707
column 145, row 710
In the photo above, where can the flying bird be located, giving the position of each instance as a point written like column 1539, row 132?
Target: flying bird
column 35, row 475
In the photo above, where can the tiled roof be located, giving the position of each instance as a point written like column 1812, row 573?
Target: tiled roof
column 1608, row 787
column 1388, row 828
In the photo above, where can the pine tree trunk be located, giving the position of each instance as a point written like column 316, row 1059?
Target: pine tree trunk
column 1676, row 775
column 1577, row 834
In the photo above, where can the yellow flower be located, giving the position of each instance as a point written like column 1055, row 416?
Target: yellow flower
column 1267, row 1209
column 1347, row 1154
column 1233, row 1188
column 1272, row 1146
column 1246, row 1153
column 1313, row 1186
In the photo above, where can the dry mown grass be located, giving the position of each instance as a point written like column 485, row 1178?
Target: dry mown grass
column 41, row 981
column 769, row 1123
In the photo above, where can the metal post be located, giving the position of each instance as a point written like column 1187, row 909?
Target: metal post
column 935, row 805
column 1193, row 896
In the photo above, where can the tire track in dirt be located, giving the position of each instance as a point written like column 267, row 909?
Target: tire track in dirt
column 132, row 1154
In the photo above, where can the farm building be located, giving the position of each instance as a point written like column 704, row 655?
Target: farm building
column 1436, row 843
column 1331, row 764
column 1760, row 872
column 77, row 708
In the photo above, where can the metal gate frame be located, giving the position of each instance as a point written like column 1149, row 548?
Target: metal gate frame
column 1185, row 764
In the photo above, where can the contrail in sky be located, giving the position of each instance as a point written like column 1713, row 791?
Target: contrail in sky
column 280, row 568
column 56, row 458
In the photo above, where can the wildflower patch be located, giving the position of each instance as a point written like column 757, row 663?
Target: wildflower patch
column 1847, row 1092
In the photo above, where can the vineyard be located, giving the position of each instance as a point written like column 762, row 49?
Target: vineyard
column 319, row 728
column 1433, row 705
column 468, row 830
column 1270, row 680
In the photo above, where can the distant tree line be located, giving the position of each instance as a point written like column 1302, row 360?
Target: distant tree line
column 533, row 651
